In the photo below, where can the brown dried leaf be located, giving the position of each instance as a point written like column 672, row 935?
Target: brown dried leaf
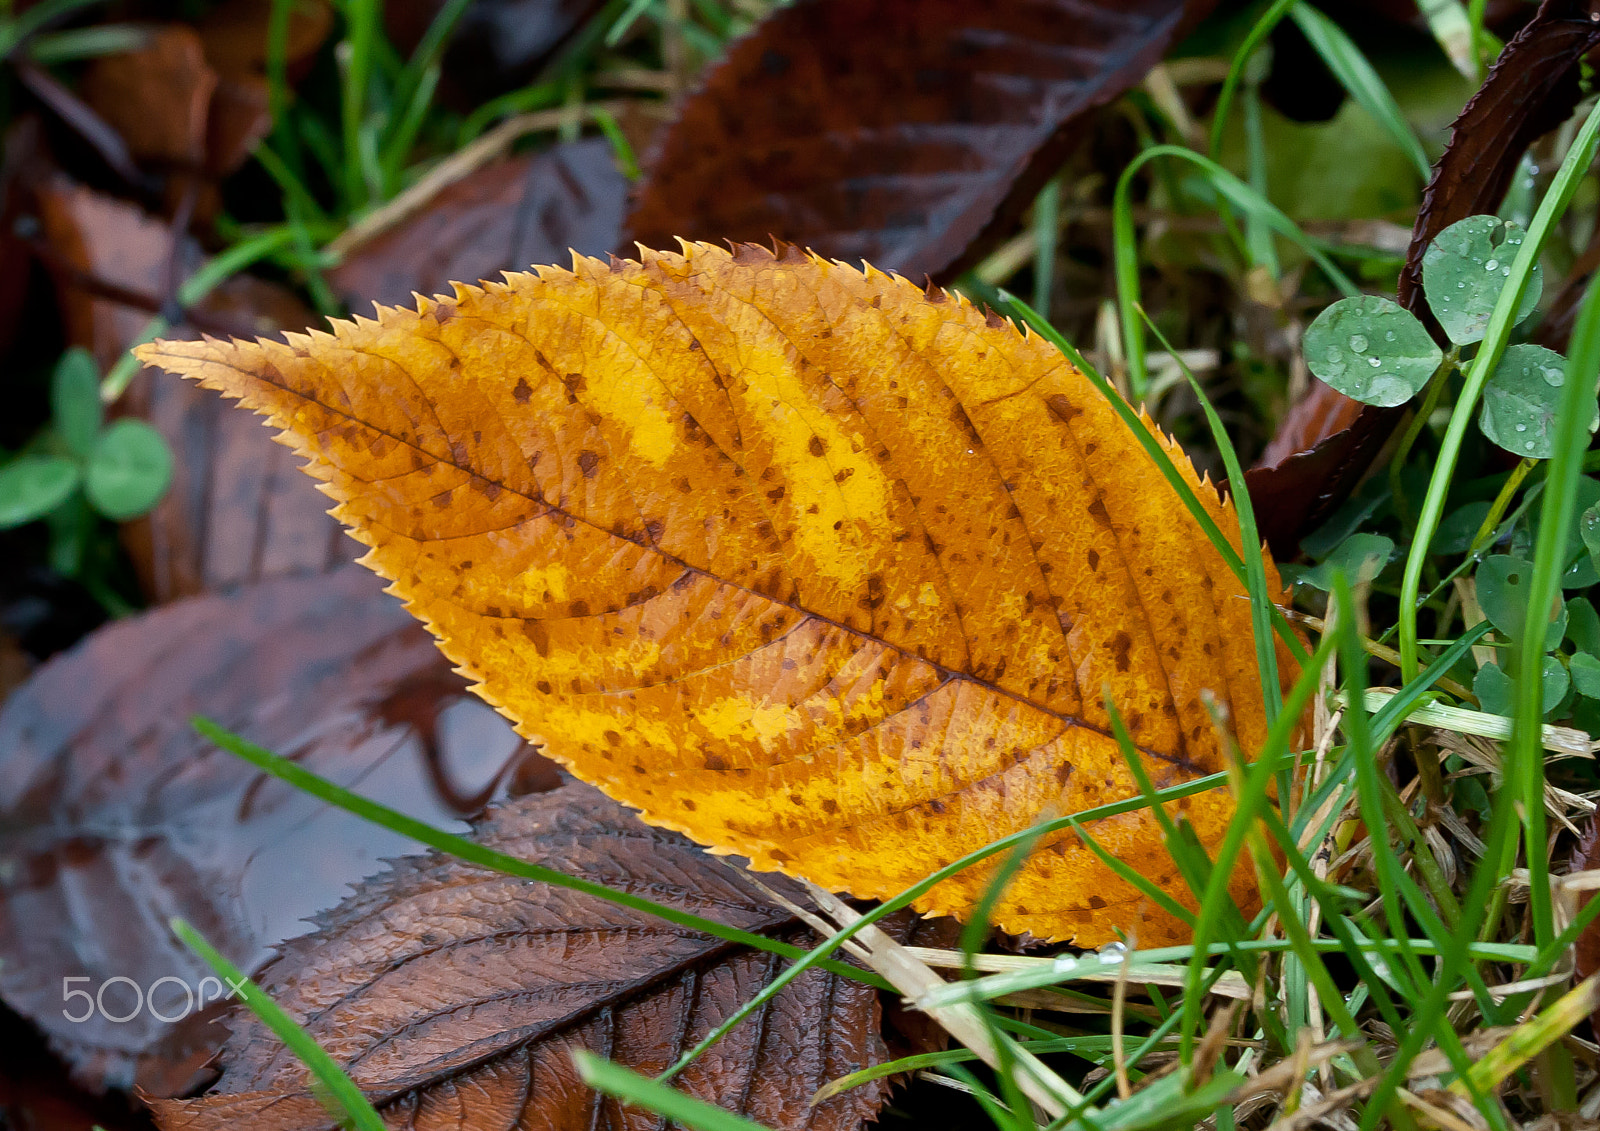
column 115, row 815
column 503, row 217
column 451, row 993
column 158, row 97
column 904, row 132
column 1328, row 441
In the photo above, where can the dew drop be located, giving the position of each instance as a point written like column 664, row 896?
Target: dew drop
column 1389, row 337
column 1552, row 376
column 1114, row 950
column 1492, row 265
column 1358, row 343
column 1461, row 286
column 1374, row 362
column 1528, row 447
column 1506, row 270
column 1522, row 428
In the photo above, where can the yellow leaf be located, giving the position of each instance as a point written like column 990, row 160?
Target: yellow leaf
column 799, row 561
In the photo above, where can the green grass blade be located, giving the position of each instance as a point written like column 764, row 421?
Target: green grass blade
column 1241, row 59
column 194, row 289
column 641, row 1091
column 1524, row 754
column 1046, row 230
column 1126, row 250
column 340, row 1088
column 1360, row 81
column 1498, row 333
column 1262, row 600
column 1252, row 798
column 357, row 54
column 474, row 853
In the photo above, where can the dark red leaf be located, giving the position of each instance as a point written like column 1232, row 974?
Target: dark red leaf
column 455, row 994
column 505, row 216
column 1328, row 441
column 115, row 815
column 903, row 132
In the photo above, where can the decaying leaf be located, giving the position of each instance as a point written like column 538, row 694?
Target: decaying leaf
column 802, row 562
column 114, row 814
column 516, row 974
column 901, row 132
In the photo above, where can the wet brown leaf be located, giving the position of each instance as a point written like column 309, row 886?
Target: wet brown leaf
column 904, row 132
column 1328, row 441
column 455, row 994
column 115, row 815
column 503, row 217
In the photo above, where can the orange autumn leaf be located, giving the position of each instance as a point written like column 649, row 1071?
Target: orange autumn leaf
column 802, row 562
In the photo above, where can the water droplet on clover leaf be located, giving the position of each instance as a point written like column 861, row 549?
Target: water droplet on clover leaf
column 1358, row 343
column 1492, row 265
column 1374, row 362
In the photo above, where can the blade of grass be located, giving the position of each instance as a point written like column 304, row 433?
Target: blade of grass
column 820, row 952
column 1251, row 796
column 340, row 1088
column 1262, row 604
column 1241, row 59
column 669, row 1103
column 1360, row 81
column 356, row 56
column 1259, row 242
column 1524, row 754
column 1126, row 250
column 194, row 289
column 1551, row 208
column 1046, row 230
column 474, row 853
